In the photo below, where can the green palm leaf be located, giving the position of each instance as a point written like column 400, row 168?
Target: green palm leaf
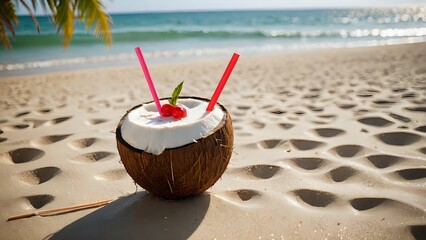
column 8, row 18
column 64, row 19
column 92, row 11
column 63, row 11
column 31, row 13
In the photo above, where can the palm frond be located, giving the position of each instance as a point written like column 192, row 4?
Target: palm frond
column 8, row 18
column 92, row 12
column 34, row 4
column 49, row 7
column 64, row 19
column 37, row 26
column 3, row 36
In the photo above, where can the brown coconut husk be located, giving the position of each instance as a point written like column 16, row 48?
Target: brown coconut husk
column 183, row 171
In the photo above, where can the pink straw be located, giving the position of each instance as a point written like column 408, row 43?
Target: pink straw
column 222, row 82
column 148, row 78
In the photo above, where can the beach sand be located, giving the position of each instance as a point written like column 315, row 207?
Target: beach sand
column 329, row 144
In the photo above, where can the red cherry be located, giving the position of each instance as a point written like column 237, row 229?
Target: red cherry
column 183, row 114
column 179, row 112
column 166, row 110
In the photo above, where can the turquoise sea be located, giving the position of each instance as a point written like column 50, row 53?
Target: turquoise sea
column 186, row 36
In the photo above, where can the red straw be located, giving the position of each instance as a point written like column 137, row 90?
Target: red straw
column 222, row 82
column 148, row 78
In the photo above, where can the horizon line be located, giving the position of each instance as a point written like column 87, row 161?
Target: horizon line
column 246, row 9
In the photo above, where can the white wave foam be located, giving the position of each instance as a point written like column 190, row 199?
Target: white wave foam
column 345, row 33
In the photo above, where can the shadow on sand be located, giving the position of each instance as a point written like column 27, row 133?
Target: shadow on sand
column 140, row 216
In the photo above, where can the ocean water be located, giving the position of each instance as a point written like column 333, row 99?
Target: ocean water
column 186, row 36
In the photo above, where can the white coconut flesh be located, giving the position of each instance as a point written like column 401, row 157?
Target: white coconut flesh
column 144, row 128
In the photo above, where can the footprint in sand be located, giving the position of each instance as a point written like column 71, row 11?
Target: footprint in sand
column 267, row 106
column 398, row 138
column 39, row 175
column 273, row 144
column 412, row 173
column 244, row 107
column 381, row 103
column 257, row 172
column 299, row 113
column 418, row 232
column 416, row 109
column 242, row 197
column 375, row 121
column 383, row 160
column 286, row 126
column 364, row 94
column 46, row 140
column 82, row 143
column 15, row 127
column 328, row 132
column 372, row 90
column 246, row 194
column 341, row 174
column 57, row 120
column 309, row 163
column 244, row 134
column 278, row 112
column 315, row 108
column 2, row 139
column 421, row 128
column 315, row 89
column 409, row 95
column 361, row 112
column 93, row 157
column 36, row 122
column 346, row 105
column 257, row 124
column 43, row 111
column 399, row 90
column 327, row 116
column 22, row 155
column 348, row 151
column 38, row 201
column 97, row 121
column 314, row 198
column 311, row 96
column 112, row 175
column 20, row 114
column 362, row 204
column 371, row 203
column 305, row 145
column 319, row 122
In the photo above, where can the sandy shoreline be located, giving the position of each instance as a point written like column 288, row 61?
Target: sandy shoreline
column 329, row 144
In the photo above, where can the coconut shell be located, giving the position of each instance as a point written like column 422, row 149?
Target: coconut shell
column 183, row 171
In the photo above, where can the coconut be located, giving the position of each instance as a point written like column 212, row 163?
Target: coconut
column 183, row 171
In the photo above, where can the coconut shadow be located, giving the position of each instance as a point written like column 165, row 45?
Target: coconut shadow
column 140, row 216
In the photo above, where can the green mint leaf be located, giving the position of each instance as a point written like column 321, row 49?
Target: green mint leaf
column 175, row 94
